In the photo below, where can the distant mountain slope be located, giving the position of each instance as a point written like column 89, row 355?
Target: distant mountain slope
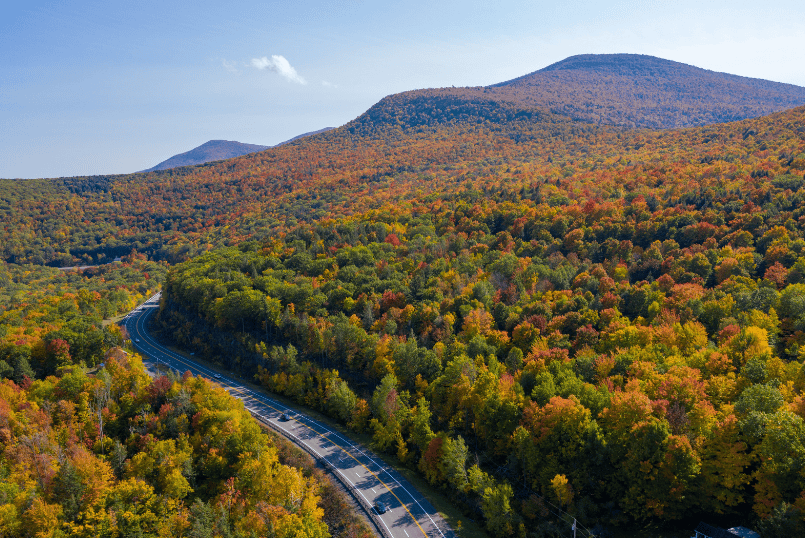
column 643, row 91
column 623, row 90
column 218, row 150
column 214, row 150
column 303, row 135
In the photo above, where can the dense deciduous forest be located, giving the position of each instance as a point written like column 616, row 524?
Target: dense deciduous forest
column 622, row 339
column 535, row 313
column 91, row 446
column 404, row 147
column 51, row 318
column 117, row 453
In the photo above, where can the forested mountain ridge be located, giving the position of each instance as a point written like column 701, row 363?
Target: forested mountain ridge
column 625, row 90
column 424, row 133
column 172, row 214
column 634, row 90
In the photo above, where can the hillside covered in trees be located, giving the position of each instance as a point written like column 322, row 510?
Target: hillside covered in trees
column 635, row 90
column 425, row 140
column 50, row 319
column 534, row 307
column 90, row 445
column 621, row 337
column 116, row 453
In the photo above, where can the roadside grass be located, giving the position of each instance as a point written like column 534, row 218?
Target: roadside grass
column 115, row 320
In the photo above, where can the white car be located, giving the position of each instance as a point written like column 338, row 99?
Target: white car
column 217, row 376
column 137, row 340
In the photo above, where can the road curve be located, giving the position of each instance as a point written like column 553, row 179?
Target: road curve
column 409, row 515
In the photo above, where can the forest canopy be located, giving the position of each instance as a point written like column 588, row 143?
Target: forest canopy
column 117, row 453
column 536, row 313
column 633, row 359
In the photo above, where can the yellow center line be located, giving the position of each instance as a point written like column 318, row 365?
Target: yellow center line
column 323, row 436
column 362, row 465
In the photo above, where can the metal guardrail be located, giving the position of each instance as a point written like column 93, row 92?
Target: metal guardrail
column 356, row 494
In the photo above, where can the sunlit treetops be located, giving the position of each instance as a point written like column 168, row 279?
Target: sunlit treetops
column 119, row 453
column 378, row 160
column 605, row 335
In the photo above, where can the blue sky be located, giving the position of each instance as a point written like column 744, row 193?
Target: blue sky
column 91, row 87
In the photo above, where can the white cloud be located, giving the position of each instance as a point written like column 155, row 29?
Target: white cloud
column 279, row 65
column 328, row 84
column 230, row 66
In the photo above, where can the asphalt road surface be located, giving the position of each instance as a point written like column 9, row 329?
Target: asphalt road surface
column 409, row 515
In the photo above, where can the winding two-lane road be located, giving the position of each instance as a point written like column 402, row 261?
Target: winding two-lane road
column 409, row 514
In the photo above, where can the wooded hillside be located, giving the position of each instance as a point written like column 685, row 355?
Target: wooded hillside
column 542, row 315
column 635, row 90
column 119, row 454
column 618, row 334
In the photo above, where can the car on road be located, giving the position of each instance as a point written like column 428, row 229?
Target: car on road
column 381, row 507
column 284, row 417
column 137, row 340
column 217, row 376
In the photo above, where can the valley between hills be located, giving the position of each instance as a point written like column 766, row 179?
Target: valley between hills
column 576, row 295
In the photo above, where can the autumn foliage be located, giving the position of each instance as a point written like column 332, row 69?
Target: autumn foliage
column 120, row 454
column 632, row 324
column 537, row 313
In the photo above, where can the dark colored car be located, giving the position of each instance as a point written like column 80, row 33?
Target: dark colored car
column 381, row 507
column 284, row 417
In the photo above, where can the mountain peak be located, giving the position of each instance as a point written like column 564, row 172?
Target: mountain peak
column 636, row 90
column 218, row 150
column 622, row 64
column 212, row 150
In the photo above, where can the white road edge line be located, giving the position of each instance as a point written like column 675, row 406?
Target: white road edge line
column 345, row 476
column 378, row 515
